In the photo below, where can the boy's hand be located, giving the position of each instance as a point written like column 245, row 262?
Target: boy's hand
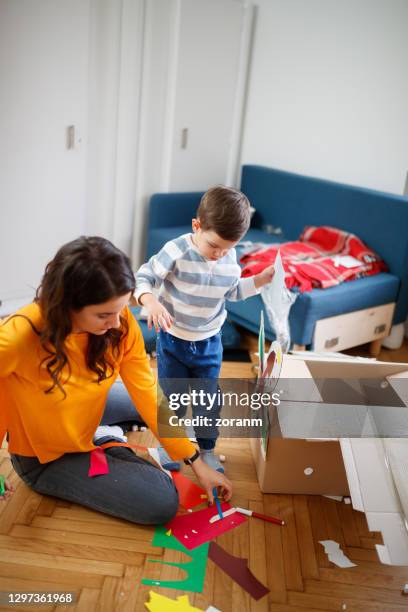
column 8, row 492
column 158, row 315
column 264, row 277
column 210, row 478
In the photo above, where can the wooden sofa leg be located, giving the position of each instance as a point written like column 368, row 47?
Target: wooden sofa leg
column 375, row 347
column 299, row 347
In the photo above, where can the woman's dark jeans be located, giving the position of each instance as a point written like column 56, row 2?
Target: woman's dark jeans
column 134, row 489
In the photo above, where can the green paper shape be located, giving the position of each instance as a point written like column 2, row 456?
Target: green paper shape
column 195, row 568
column 2, row 487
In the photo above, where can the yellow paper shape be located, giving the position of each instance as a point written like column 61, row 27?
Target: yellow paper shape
column 168, row 532
column 161, row 603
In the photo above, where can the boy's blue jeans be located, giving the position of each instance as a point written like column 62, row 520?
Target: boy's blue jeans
column 184, row 366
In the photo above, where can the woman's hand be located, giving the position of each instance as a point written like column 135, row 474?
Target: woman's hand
column 210, row 478
column 9, row 490
column 264, row 277
column 158, row 315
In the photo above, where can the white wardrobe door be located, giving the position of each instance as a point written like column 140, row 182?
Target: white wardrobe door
column 43, row 76
column 207, row 67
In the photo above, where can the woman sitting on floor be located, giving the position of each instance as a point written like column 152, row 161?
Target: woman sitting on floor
column 59, row 358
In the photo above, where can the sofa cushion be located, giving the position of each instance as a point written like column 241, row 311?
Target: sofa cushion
column 319, row 304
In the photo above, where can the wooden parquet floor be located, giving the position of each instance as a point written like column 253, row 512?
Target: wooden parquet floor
column 50, row 545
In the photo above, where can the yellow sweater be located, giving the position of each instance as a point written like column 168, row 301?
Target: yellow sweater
column 47, row 425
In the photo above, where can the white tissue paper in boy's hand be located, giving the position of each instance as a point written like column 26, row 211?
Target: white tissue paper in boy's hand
column 278, row 301
column 277, row 283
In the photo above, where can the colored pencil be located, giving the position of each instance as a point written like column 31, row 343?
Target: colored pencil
column 269, row 519
column 217, row 502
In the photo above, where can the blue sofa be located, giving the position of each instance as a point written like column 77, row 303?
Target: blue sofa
column 289, row 202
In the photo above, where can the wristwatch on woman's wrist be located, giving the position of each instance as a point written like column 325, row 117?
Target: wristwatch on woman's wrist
column 190, row 460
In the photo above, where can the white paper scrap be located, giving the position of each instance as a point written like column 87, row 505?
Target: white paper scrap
column 335, row 554
column 217, row 517
column 335, row 497
column 154, row 453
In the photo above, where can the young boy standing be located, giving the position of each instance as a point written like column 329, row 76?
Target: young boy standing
column 195, row 274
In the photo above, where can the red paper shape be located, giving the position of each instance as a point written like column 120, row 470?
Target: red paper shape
column 189, row 493
column 184, row 525
column 237, row 569
column 98, row 464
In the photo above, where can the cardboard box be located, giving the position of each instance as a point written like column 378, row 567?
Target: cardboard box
column 299, row 461
column 300, row 466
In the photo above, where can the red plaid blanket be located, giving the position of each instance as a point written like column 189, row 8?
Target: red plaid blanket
column 315, row 259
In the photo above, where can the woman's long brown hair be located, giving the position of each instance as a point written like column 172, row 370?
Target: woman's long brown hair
column 84, row 272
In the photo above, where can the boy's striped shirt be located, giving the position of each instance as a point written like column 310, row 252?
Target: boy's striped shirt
column 193, row 289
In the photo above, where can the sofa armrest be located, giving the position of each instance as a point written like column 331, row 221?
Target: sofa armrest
column 173, row 209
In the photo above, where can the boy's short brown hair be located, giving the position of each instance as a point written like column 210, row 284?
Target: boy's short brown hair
column 226, row 211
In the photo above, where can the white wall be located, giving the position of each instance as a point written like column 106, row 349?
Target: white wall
column 328, row 91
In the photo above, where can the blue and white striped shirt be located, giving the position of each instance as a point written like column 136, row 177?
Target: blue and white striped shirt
column 192, row 288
